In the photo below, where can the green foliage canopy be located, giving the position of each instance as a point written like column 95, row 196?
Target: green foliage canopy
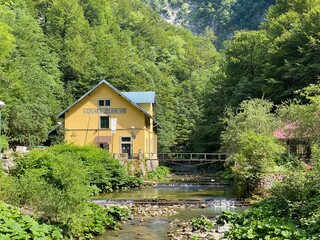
column 272, row 62
column 291, row 211
column 60, row 49
column 19, row 226
column 56, row 183
column 248, row 139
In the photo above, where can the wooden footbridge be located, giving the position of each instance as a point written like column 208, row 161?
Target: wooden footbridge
column 192, row 159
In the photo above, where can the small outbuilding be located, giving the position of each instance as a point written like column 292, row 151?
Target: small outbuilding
column 297, row 145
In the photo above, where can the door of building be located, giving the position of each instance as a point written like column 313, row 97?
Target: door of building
column 104, row 146
column 126, row 148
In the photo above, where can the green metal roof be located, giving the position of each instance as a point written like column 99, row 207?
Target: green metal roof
column 141, row 97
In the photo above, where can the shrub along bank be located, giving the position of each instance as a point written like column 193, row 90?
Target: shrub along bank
column 14, row 225
column 292, row 211
column 159, row 174
column 55, row 184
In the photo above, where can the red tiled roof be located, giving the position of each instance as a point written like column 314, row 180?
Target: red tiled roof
column 287, row 132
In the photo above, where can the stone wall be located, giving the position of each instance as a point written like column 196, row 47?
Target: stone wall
column 266, row 182
column 152, row 164
column 139, row 166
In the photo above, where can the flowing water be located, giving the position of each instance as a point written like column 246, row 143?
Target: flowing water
column 182, row 191
column 218, row 198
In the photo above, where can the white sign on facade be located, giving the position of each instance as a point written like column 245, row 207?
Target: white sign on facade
column 113, row 125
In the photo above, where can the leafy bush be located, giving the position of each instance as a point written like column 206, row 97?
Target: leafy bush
column 202, row 224
column 102, row 170
column 95, row 220
column 56, row 183
column 3, row 143
column 291, row 212
column 289, row 161
column 132, row 182
column 248, row 139
column 14, row 225
column 298, row 196
column 57, row 189
column 118, row 213
column 257, row 151
column 159, row 173
column 315, row 149
column 257, row 223
column 255, row 156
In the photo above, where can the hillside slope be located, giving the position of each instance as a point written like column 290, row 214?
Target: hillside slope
column 61, row 48
column 222, row 16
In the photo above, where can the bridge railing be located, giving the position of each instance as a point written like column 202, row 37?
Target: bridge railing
column 192, row 156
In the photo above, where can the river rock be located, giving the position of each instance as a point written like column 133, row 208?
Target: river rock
column 180, row 224
column 203, row 235
column 153, row 211
column 223, row 229
column 184, row 231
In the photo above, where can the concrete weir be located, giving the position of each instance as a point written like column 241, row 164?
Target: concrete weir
column 213, row 202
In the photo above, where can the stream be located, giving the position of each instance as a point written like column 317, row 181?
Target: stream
column 213, row 197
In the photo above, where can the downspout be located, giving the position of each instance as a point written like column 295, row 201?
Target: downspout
column 85, row 140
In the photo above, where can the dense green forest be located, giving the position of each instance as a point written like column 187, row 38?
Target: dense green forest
column 274, row 63
column 54, row 51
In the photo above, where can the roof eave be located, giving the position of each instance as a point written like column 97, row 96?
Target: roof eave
column 62, row 114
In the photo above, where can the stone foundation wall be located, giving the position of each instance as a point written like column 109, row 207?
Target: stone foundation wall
column 136, row 166
column 152, row 164
column 268, row 181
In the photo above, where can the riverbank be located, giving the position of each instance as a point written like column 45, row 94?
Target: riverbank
column 164, row 211
column 173, row 222
column 179, row 229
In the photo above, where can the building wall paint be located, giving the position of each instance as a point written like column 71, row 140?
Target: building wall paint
column 82, row 128
column 147, row 107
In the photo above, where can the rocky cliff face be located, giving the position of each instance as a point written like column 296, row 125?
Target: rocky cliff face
column 222, row 16
column 188, row 15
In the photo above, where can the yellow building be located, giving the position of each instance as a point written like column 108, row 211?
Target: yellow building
column 119, row 121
